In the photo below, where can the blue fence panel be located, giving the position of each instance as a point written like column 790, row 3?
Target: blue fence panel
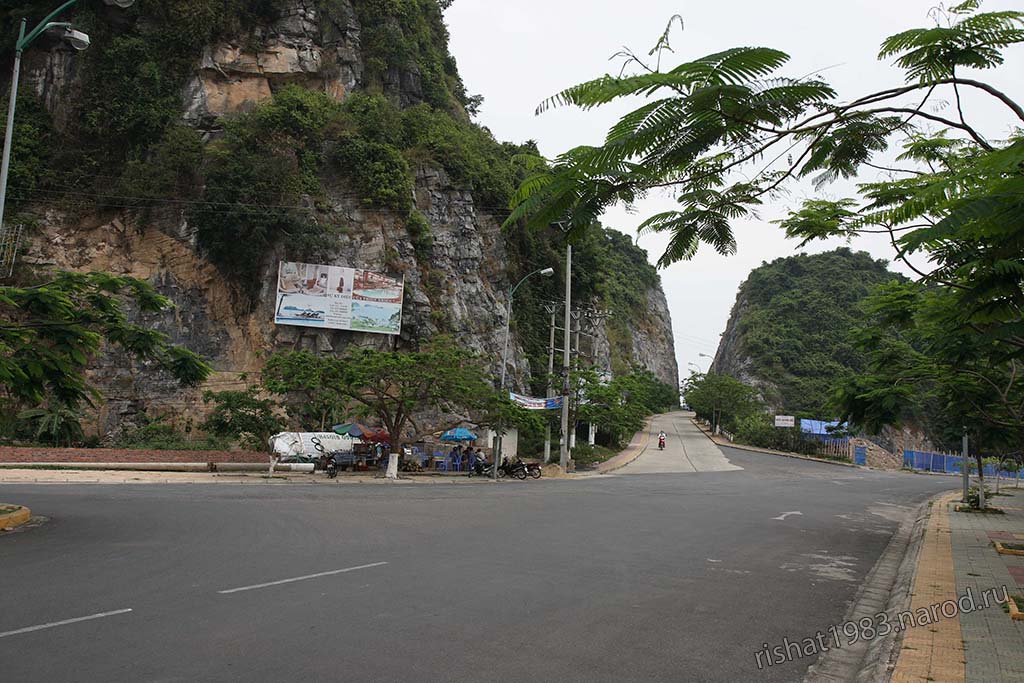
column 860, row 455
column 949, row 464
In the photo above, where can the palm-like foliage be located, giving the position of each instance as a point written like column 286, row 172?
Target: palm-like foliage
column 721, row 132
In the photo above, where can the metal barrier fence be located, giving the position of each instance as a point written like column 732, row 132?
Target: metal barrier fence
column 946, row 463
column 860, row 455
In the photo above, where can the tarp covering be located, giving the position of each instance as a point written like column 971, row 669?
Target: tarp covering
column 307, row 446
column 820, row 427
column 362, row 432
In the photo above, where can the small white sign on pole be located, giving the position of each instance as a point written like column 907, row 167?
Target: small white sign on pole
column 785, row 421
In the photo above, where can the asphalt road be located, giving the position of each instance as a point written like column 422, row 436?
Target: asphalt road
column 661, row 576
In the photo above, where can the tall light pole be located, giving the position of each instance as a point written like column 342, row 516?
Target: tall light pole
column 546, row 272
column 76, row 39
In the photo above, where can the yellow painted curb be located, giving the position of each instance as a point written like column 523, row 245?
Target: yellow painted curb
column 10, row 520
column 934, row 654
column 1003, row 550
column 1015, row 612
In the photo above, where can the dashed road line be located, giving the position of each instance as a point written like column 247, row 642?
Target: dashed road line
column 64, row 622
column 300, row 578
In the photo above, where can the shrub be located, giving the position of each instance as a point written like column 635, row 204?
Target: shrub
column 419, row 231
column 242, row 415
column 160, row 436
column 379, row 172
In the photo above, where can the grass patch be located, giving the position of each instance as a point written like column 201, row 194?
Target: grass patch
column 986, row 511
column 1012, row 546
column 587, row 457
column 7, row 509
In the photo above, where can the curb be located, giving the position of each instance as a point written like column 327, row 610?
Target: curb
column 609, row 466
column 1015, row 612
column 1002, row 550
column 10, row 520
column 886, row 588
column 719, row 441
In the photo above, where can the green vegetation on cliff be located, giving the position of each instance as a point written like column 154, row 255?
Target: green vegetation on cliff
column 796, row 321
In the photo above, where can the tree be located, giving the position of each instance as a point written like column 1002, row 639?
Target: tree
column 390, row 386
column 723, row 132
column 242, row 415
column 923, row 366
column 50, row 332
column 721, row 399
column 309, row 385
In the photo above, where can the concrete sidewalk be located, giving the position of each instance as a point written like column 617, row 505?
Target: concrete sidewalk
column 957, row 557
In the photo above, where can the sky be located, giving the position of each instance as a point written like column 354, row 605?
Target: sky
column 518, row 54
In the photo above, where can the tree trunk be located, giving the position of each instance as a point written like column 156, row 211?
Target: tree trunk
column 392, row 472
column 395, row 430
column 981, row 482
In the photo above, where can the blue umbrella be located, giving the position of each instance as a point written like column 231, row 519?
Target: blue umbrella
column 458, row 434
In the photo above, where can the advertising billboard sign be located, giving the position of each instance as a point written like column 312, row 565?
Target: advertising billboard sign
column 785, row 421
column 338, row 298
column 531, row 403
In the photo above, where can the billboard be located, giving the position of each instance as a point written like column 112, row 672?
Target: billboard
column 785, row 421
column 337, row 298
column 531, row 403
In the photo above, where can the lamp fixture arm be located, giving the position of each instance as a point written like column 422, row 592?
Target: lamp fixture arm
column 25, row 40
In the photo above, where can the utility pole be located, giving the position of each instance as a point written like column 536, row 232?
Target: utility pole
column 563, row 446
column 577, row 316
column 551, row 309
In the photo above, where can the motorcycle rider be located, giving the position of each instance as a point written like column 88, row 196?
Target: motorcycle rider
column 661, row 439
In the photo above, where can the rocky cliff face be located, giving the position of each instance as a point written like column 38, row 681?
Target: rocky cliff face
column 732, row 359
column 458, row 288
column 301, row 47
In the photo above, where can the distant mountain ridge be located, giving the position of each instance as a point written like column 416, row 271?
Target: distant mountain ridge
column 789, row 333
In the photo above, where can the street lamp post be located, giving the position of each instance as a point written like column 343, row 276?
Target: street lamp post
column 76, row 39
column 546, row 272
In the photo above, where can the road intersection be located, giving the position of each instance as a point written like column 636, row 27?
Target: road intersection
column 651, row 573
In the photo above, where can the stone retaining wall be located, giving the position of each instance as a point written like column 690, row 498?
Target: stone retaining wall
column 9, row 454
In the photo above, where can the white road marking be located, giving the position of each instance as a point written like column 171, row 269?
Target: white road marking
column 300, row 578
column 65, row 622
column 783, row 516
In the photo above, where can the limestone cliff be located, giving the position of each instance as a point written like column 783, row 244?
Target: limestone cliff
column 790, row 331
column 455, row 285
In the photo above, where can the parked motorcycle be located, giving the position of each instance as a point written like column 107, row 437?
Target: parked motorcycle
column 479, row 468
column 513, row 468
column 331, row 465
column 533, row 469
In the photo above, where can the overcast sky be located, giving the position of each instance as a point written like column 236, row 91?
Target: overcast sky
column 517, row 54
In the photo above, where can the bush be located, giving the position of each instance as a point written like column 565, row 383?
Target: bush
column 30, row 152
column 161, row 436
column 378, row 171
column 758, row 430
column 242, row 415
column 419, row 231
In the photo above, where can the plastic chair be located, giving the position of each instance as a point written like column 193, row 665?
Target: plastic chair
column 440, row 462
column 456, row 462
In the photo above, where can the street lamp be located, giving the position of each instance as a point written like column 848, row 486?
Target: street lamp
column 76, row 39
column 546, row 272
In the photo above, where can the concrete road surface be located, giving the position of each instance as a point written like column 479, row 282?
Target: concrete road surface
column 653, row 577
column 686, row 449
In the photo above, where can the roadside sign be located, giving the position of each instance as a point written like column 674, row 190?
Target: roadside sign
column 785, row 421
